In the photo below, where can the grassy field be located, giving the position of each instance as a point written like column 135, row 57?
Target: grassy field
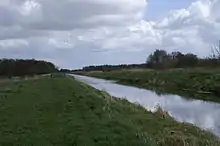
column 191, row 83
column 61, row 111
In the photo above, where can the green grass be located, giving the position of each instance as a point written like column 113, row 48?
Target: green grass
column 61, row 111
column 192, row 83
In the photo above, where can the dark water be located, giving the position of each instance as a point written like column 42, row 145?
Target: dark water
column 203, row 114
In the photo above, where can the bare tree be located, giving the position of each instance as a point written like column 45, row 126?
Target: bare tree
column 215, row 51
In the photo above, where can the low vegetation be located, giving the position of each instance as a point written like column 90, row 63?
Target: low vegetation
column 59, row 110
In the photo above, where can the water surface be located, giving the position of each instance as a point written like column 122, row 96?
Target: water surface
column 203, row 114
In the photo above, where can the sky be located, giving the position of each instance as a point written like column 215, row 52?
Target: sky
column 77, row 33
column 157, row 9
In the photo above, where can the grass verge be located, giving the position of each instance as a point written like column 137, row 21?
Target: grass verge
column 61, row 111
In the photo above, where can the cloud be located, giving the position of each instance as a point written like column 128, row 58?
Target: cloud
column 15, row 32
column 69, row 14
column 196, row 27
column 74, row 33
column 26, row 18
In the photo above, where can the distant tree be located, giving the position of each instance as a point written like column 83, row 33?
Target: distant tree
column 177, row 55
column 188, row 60
column 157, row 57
column 215, row 49
column 112, row 67
column 65, row 70
column 19, row 67
column 160, row 59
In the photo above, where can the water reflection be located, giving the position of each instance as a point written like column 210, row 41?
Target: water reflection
column 200, row 113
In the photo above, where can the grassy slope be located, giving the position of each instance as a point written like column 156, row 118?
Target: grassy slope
column 62, row 111
column 193, row 83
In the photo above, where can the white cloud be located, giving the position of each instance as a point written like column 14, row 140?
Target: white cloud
column 69, row 14
column 78, row 32
column 197, row 26
column 6, row 44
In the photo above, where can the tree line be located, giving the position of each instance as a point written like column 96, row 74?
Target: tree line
column 113, row 67
column 21, row 67
column 161, row 59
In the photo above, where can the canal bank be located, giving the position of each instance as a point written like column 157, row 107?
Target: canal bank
column 204, row 114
